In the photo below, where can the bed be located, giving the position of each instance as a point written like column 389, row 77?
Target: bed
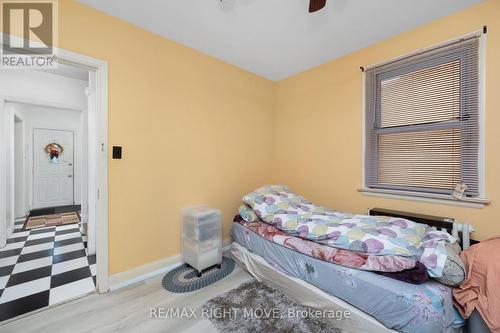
column 377, row 303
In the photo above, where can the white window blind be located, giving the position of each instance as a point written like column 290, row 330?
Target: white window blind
column 422, row 121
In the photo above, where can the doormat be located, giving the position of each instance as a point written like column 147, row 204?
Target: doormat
column 184, row 279
column 52, row 220
column 56, row 210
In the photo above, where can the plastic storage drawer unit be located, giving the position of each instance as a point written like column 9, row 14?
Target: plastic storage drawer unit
column 201, row 237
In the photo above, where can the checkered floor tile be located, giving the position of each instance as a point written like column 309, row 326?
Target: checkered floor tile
column 42, row 267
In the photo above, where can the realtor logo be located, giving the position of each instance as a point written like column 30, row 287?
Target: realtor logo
column 29, row 34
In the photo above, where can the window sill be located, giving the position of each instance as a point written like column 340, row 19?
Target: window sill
column 426, row 197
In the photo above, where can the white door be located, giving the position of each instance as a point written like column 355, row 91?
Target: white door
column 52, row 174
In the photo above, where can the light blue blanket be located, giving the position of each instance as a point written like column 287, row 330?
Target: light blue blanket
column 398, row 305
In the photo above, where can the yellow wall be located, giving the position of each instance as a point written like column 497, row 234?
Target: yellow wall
column 317, row 124
column 184, row 120
column 197, row 130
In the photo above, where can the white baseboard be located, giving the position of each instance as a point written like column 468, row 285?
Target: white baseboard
column 226, row 245
column 141, row 273
column 10, row 229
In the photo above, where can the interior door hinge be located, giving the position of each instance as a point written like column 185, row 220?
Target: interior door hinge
column 97, row 194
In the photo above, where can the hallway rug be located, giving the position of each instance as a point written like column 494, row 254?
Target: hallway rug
column 52, row 220
column 255, row 307
column 184, row 279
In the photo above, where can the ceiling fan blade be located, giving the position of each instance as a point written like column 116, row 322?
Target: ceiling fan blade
column 315, row 5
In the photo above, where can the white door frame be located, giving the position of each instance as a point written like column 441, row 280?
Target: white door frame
column 3, row 174
column 98, row 135
column 20, row 147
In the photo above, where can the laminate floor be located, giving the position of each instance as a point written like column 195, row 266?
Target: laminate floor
column 130, row 309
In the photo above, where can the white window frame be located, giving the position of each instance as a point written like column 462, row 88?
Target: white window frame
column 476, row 202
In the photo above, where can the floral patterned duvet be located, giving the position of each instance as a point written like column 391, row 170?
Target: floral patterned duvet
column 341, row 257
column 393, row 238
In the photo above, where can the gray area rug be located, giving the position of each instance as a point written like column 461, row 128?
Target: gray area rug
column 254, row 307
column 183, row 279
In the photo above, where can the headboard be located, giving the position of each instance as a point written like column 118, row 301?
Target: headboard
column 433, row 221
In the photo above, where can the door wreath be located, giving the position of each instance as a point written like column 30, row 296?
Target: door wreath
column 54, row 150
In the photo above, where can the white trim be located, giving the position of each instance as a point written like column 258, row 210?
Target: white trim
column 37, row 102
column 482, row 116
column 426, row 197
column 476, row 33
column 20, row 200
column 139, row 274
column 363, row 128
column 9, row 113
column 226, row 245
column 429, row 197
column 100, row 131
column 102, row 205
column 3, row 175
column 92, row 148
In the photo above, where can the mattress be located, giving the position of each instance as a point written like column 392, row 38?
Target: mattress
column 397, row 305
column 347, row 318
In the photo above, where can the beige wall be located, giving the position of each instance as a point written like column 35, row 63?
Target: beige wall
column 317, row 124
column 181, row 117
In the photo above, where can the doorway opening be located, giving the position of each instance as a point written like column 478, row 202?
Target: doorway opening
column 53, row 184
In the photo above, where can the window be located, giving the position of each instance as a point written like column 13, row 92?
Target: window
column 422, row 121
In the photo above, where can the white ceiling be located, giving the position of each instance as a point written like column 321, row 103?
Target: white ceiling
column 278, row 38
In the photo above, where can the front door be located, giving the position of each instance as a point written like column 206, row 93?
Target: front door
column 52, row 168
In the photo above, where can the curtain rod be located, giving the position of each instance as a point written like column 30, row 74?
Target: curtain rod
column 477, row 33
